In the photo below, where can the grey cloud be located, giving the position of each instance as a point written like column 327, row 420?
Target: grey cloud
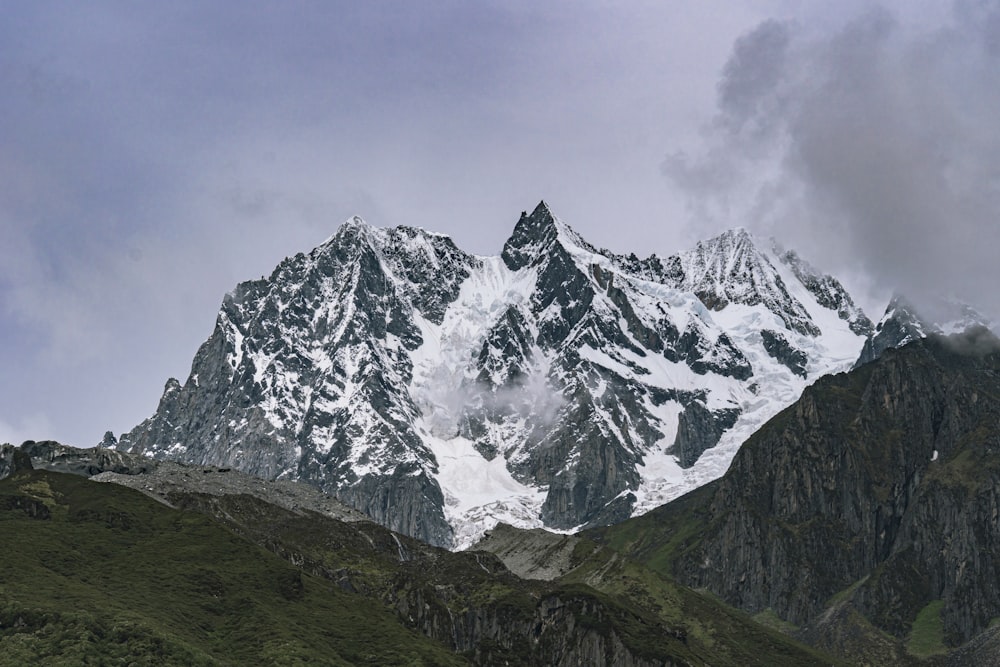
column 747, row 90
column 977, row 341
column 156, row 154
column 882, row 152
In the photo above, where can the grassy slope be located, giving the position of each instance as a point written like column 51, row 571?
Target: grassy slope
column 653, row 616
column 92, row 572
column 367, row 556
column 95, row 572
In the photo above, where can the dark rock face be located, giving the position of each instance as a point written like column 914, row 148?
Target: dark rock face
column 724, row 359
column 50, row 455
column 506, row 353
column 886, row 479
column 564, row 629
column 899, row 326
column 391, row 499
column 13, row 460
column 699, row 429
column 779, row 348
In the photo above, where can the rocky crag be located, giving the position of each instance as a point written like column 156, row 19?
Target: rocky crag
column 555, row 385
column 868, row 509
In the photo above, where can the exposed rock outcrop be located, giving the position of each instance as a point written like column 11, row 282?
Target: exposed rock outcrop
column 12, row 460
column 699, row 429
column 881, row 487
column 778, row 347
column 51, row 455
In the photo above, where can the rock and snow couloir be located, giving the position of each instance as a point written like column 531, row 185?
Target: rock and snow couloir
column 555, row 385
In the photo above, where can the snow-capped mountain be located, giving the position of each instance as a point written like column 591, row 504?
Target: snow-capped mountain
column 902, row 324
column 556, row 384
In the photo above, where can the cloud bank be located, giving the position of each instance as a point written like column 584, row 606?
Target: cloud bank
column 875, row 147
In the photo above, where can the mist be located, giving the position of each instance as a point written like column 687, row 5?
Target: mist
column 873, row 149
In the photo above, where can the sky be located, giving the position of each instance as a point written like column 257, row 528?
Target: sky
column 153, row 155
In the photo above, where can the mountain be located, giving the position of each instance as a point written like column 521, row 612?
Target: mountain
column 554, row 385
column 903, row 323
column 214, row 568
column 864, row 515
column 99, row 574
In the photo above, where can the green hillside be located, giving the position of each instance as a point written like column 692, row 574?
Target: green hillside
column 100, row 574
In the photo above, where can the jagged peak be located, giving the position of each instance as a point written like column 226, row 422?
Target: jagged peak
column 731, row 268
column 900, row 308
column 719, row 257
column 354, row 226
column 538, row 225
column 935, row 314
column 736, row 239
column 350, row 232
column 543, row 209
column 536, row 234
column 355, row 232
column 903, row 322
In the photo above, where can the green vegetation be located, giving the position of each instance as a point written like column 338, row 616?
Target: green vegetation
column 927, row 634
column 451, row 585
column 659, row 537
column 100, row 574
column 109, row 575
column 771, row 619
column 707, row 630
column 845, row 595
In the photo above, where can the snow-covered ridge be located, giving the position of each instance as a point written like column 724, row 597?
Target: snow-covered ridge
column 555, row 385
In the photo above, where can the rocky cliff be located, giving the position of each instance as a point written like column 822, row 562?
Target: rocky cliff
column 879, row 490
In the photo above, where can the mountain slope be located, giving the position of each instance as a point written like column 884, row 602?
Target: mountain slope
column 97, row 573
column 867, row 507
column 556, row 384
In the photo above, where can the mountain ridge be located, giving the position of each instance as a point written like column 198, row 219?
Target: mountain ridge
column 553, row 385
column 873, row 497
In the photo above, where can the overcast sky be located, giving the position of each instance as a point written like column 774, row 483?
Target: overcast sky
column 153, row 155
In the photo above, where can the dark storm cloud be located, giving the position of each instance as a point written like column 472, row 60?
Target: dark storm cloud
column 747, row 89
column 876, row 146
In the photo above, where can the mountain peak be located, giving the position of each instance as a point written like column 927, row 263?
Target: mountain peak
column 355, row 224
column 738, row 234
column 382, row 364
column 903, row 323
column 543, row 211
column 533, row 234
column 540, row 221
column 350, row 232
column 730, row 268
column 730, row 242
